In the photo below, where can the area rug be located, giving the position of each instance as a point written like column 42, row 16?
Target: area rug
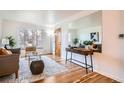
column 25, row 76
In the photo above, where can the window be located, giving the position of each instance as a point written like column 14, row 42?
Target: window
column 30, row 37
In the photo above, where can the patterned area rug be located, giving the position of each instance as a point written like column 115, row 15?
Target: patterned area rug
column 25, row 76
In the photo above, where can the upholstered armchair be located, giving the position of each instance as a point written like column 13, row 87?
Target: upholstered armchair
column 9, row 63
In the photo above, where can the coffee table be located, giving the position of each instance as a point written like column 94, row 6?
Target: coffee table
column 37, row 56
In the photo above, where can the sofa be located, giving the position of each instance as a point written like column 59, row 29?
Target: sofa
column 9, row 63
column 15, row 50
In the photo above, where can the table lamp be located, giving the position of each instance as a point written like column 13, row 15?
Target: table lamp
column 5, row 42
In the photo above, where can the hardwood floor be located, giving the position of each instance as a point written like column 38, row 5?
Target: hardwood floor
column 75, row 74
column 95, row 78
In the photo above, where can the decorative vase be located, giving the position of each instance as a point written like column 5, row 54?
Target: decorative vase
column 37, row 67
column 87, row 46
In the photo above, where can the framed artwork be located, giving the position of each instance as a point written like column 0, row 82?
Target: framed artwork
column 94, row 36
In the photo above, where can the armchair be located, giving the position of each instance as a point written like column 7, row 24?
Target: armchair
column 9, row 64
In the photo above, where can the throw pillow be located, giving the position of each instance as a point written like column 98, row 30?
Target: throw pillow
column 6, row 52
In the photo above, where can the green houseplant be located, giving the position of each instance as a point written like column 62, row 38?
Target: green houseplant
column 75, row 41
column 12, row 42
column 87, row 43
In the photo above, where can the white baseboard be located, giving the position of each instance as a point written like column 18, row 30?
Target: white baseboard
column 110, row 76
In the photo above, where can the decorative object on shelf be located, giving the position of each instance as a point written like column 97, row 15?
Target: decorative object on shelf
column 5, row 42
column 87, row 43
column 70, row 46
column 94, row 36
column 97, row 48
column 37, row 67
column 81, row 45
column 75, row 41
column 12, row 42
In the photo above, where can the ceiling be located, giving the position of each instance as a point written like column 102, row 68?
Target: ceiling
column 39, row 17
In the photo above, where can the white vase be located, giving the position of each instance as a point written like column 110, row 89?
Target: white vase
column 87, row 46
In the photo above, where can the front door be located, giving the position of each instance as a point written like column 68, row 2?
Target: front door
column 58, row 42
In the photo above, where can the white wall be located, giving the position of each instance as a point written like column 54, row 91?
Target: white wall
column 111, row 61
column 82, row 27
column 12, row 28
column 0, row 32
column 9, row 28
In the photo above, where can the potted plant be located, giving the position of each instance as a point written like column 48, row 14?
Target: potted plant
column 75, row 41
column 12, row 42
column 87, row 43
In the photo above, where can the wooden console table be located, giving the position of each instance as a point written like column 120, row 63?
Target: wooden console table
column 81, row 51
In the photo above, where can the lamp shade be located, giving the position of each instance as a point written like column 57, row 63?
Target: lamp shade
column 5, row 41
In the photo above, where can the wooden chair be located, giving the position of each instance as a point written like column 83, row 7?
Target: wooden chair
column 30, row 51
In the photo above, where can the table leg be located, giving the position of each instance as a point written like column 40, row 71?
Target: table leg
column 71, row 56
column 66, row 56
column 40, row 57
column 86, row 64
column 29, row 60
column 91, row 62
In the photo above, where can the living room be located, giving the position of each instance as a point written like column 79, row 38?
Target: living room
column 51, row 32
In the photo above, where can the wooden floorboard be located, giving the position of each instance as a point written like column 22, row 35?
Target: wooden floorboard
column 75, row 74
column 95, row 78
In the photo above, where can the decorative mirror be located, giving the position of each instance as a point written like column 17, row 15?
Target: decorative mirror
column 86, row 30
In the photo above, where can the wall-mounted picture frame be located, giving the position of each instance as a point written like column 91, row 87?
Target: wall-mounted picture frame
column 94, row 36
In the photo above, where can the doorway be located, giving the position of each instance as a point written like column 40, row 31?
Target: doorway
column 58, row 34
